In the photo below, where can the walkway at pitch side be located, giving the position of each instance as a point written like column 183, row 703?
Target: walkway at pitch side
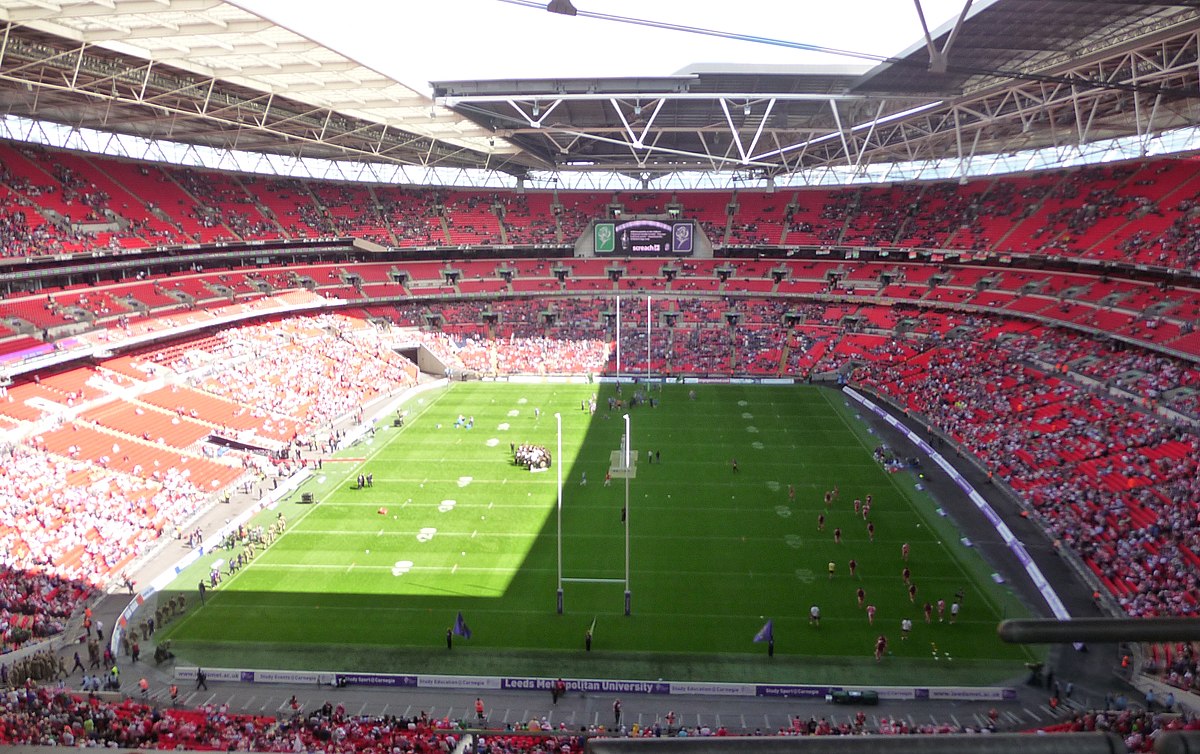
column 1027, row 710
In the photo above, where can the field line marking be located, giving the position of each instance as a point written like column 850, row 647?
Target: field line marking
column 409, row 533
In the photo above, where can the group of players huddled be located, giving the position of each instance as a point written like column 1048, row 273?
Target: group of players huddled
column 531, row 456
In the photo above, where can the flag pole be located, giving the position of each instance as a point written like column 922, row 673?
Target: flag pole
column 558, row 461
column 647, row 337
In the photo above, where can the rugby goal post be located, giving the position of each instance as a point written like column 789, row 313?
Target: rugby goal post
column 622, row 465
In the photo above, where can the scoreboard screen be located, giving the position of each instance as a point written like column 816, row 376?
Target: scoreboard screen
column 650, row 237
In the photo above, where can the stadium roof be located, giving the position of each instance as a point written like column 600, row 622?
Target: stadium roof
column 1007, row 75
column 207, row 71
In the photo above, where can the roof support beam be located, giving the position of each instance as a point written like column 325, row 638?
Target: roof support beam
column 78, row 64
column 658, row 149
column 455, row 100
column 658, row 106
column 536, row 116
column 939, row 58
column 761, row 124
column 841, row 132
column 733, row 131
column 870, row 132
column 634, row 140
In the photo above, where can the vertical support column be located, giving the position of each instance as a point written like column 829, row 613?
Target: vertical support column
column 558, row 461
column 628, row 471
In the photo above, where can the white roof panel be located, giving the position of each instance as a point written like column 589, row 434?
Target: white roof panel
column 218, row 39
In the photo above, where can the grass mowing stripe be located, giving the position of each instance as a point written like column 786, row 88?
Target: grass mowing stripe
column 305, row 512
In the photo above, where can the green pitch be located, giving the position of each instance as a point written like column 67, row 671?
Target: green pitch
column 371, row 579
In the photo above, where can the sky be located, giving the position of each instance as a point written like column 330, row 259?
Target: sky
column 419, row 41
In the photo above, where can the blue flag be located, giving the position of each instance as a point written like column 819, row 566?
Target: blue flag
column 461, row 628
column 766, row 633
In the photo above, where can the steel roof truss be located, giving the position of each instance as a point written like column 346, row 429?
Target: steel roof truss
column 733, row 132
column 712, row 160
column 761, row 124
column 634, row 140
column 536, row 116
column 658, row 149
column 939, row 58
column 658, row 106
column 870, row 132
column 841, row 131
column 173, row 110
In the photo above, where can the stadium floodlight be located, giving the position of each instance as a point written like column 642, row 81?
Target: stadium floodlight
column 562, row 6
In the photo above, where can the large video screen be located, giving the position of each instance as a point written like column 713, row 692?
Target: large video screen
column 651, row 237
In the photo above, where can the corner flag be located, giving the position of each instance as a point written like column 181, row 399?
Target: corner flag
column 766, row 633
column 461, row 628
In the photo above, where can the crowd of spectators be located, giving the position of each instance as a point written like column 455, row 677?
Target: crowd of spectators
column 19, row 237
column 222, row 203
column 1154, row 379
column 411, row 217
column 533, row 355
column 526, row 224
column 754, row 336
column 1138, row 728
column 33, row 715
column 1181, row 668
column 1117, row 486
column 330, row 364
column 36, row 605
column 1061, row 213
column 69, row 521
column 1178, row 245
